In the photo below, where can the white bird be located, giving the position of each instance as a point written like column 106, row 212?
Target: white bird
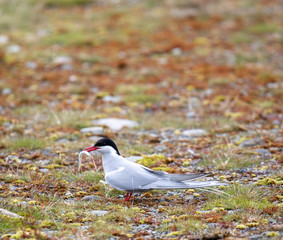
column 133, row 177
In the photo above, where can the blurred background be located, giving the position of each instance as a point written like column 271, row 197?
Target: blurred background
column 183, row 86
column 167, row 65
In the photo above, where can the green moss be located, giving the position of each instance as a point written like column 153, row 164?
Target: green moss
column 152, row 160
column 72, row 38
column 138, row 94
column 241, row 37
column 263, row 28
column 267, row 181
column 26, row 143
column 9, row 224
column 66, row 3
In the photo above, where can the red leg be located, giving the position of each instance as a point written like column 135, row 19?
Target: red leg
column 128, row 196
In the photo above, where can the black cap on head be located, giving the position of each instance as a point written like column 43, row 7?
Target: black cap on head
column 106, row 142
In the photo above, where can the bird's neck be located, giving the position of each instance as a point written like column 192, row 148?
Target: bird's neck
column 111, row 161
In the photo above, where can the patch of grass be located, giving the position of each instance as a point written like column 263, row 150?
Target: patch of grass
column 242, row 59
column 138, row 94
column 240, row 197
column 26, row 143
column 18, row 14
column 241, row 37
column 263, row 28
column 72, row 38
column 229, row 158
column 66, row 3
column 9, row 224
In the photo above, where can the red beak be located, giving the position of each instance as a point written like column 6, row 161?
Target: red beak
column 90, row 149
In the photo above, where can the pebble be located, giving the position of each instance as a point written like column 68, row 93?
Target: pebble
column 263, row 152
column 7, row 91
column 159, row 148
column 90, row 198
column 63, row 140
column 9, row 214
column 4, row 39
column 98, row 212
column 60, row 60
column 251, row 142
column 112, row 99
column 31, row 65
column 194, row 132
column 14, row 49
column 93, row 130
column 116, row 124
column 188, row 198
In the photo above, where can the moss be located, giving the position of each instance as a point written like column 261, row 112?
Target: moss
column 272, row 234
column 66, row 3
column 26, row 143
column 241, row 226
column 266, row 181
column 152, row 160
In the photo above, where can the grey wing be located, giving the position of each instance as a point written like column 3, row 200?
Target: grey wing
column 131, row 177
column 177, row 177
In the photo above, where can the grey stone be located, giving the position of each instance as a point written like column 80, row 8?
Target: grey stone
column 93, row 130
column 189, row 198
column 9, row 214
column 263, row 152
column 60, row 60
column 98, row 212
column 90, row 198
column 113, row 99
column 115, row 124
column 194, row 132
column 7, row 91
column 251, row 142
column 159, row 148
column 14, row 49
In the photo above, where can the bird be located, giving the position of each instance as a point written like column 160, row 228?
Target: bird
column 133, row 177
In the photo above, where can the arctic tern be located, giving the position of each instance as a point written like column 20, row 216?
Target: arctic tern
column 133, row 177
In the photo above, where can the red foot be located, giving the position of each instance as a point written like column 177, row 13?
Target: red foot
column 128, row 196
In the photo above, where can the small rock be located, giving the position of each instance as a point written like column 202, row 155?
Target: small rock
column 176, row 51
column 63, row 140
column 256, row 237
column 134, row 158
column 188, row 198
column 7, row 91
column 14, row 49
column 9, row 214
column 194, row 133
column 159, row 148
column 31, row 65
column 116, row 124
column 191, row 115
column 67, row 67
column 93, row 130
column 4, row 39
column 90, row 198
column 44, row 170
column 60, row 60
column 252, row 142
column 263, row 152
column 112, row 99
column 98, row 212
